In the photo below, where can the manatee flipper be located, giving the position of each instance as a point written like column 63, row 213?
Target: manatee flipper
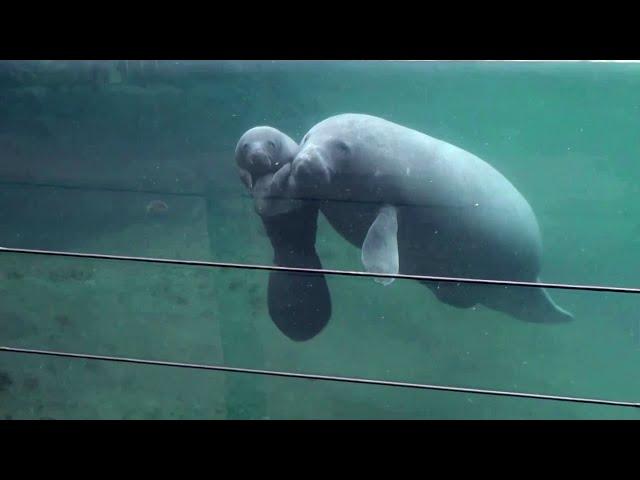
column 269, row 193
column 299, row 303
column 380, row 247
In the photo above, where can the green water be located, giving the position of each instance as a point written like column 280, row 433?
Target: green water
column 87, row 147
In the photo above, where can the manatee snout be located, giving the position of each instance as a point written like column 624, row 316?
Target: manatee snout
column 309, row 172
column 254, row 164
column 259, row 161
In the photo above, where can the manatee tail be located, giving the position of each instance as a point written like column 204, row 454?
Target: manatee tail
column 299, row 303
column 554, row 313
column 539, row 307
column 529, row 304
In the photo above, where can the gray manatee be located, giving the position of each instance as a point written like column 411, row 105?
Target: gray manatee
column 418, row 205
column 299, row 304
column 261, row 152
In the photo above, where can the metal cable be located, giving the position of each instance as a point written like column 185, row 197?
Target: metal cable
column 99, row 188
column 329, row 378
column 429, row 278
column 321, row 377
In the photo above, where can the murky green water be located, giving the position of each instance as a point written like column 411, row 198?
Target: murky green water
column 136, row 158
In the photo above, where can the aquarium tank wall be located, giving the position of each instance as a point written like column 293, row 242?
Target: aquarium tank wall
column 140, row 159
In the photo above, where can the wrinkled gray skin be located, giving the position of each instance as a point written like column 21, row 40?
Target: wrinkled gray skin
column 261, row 152
column 452, row 214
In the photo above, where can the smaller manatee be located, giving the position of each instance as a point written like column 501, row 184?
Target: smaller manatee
column 263, row 156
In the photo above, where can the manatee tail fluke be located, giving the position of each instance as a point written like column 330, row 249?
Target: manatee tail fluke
column 544, row 310
column 529, row 304
column 558, row 315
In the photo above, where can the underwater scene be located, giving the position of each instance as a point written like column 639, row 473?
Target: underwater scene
column 475, row 173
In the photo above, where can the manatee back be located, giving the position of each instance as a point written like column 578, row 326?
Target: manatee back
column 457, row 212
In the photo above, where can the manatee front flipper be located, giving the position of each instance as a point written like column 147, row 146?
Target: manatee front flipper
column 270, row 194
column 299, row 303
column 380, row 247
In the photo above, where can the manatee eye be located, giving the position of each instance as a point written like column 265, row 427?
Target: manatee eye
column 245, row 147
column 271, row 144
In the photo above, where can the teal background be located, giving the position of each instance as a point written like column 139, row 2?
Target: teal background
column 86, row 147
